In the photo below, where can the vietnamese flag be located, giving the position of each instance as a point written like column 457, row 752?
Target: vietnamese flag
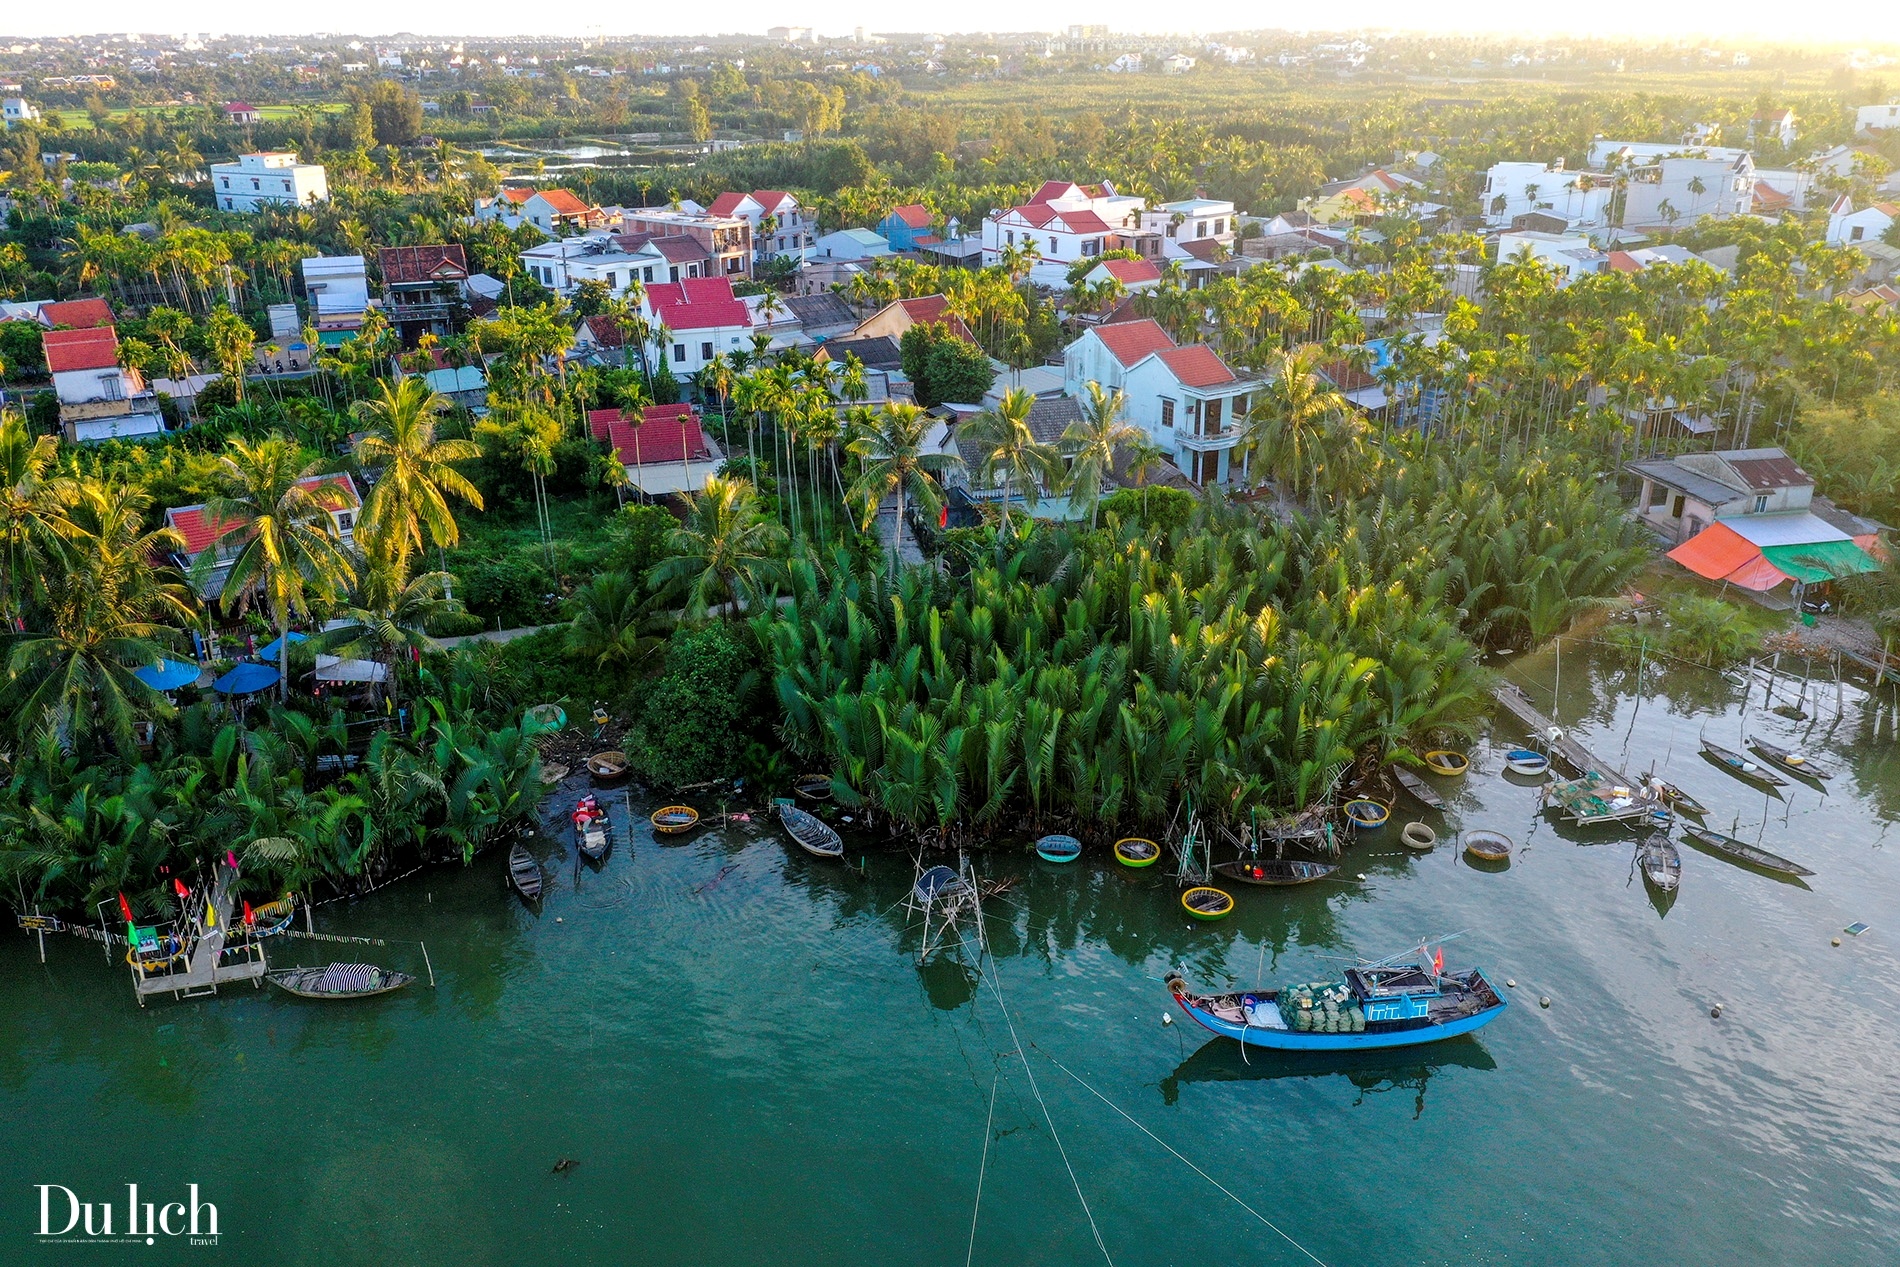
column 179, row 886
column 249, row 918
column 125, row 909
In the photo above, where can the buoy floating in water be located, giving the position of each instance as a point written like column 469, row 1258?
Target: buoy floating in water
column 1510, row 983
column 1716, row 1011
column 1544, row 1002
column 1166, row 1019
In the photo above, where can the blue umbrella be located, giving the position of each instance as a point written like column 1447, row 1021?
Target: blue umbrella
column 167, row 675
column 272, row 649
column 246, row 679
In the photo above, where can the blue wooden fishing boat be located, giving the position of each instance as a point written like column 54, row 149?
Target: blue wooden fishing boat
column 1526, row 761
column 1058, row 848
column 1391, row 1003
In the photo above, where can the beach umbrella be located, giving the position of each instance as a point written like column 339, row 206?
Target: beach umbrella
column 247, row 679
column 167, row 675
column 274, row 648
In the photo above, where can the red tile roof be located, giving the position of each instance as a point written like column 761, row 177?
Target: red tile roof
column 1130, row 341
column 516, row 195
column 1348, row 377
column 727, row 203
column 698, row 303
column 1084, row 222
column 1624, row 262
column 1197, row 365
column 913, row 215
column 935, row 310
column 1051, row 190
column 94, row 349
column 1132, row 272
column 201, row 532
column 1206, row 250
column 926, row 239
column 770, row 199
column 665, row 433
column 80, row 314
column 606, row 332
column 239, row 107
column 564, row 203
column 409, row 265
column 1035, row 213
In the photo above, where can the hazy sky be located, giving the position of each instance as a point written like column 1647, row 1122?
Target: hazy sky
column 1847, row 20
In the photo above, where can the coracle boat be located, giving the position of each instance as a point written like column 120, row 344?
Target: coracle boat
column 671, row 820
column 1207, row 904
column 1058, row 848
column 1741, row 767
column 590, row 828
column 1446, row 762
column 524, row 873
column 1278, row 872
column 1744, row 853
column 812, row 787
column 1487, row 846
column 1385, row 1004
column 1795, row 763
column 1660, row 861
column 338, row 981
column 1418, row 837
column 1367, row 814
column 812, row 833
column 1418, row 789
column 1137, row 851
column 607, row 766
column 1526, row 761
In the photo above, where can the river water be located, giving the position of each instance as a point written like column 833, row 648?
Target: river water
column 735, row 1044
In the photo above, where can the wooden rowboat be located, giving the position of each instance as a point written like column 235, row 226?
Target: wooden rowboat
column 1207, row 904
column 1275, row 872
column 1743, row 852
column 1137, row 851
column 671, row 820
column 812, row 833
column 607, row 766
column 1446, row 762
column 1418, row 789
column 1367, row 814
column 1660, row 861
column 1679, row 800
column 524, row 873
column 1795, row 763
column 1488, row 846
column 812, row 787
column 1741, row 767
column 338, row 981
column 1058, row 848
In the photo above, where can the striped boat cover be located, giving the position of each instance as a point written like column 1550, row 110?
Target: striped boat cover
column 343, row 978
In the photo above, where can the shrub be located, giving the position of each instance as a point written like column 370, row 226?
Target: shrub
column 690, row 728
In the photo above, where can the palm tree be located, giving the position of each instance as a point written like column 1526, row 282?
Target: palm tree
column 290, row 553
column 1003, row 438
column 1092, row 441
column 389, row 616
column 1288, row 423
column 608, row 623
column 411, row 495
column 726, row 549
column 891, row 446
column 1143, row 456
column 32, row 507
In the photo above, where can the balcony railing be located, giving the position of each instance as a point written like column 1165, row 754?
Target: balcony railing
column 1223, row 438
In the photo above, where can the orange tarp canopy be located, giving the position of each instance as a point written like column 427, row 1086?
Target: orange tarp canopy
column 1717, row 552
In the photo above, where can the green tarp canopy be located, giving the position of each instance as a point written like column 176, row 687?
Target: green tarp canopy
column 1820, row 560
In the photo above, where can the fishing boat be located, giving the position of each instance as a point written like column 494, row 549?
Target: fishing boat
column 1385, row 1004
column 524, row 873
column 338, row 981
column 273, row 917
column 1741, row 767
column 671, row 820
column 1487, row 846
column 1677, row 799
column 1660, row 861
column 1058, row 848
column 1526, row 761
column 812, row 833
column 1795, row 763
column 1276, row 872
column 1207, row 904
column 606, row 767
column 1446, row 762
column 1418, row 789
column 590, row 827
column 1743, row 852
column 812, row 787
column 1367, row 814
column 1137, row 851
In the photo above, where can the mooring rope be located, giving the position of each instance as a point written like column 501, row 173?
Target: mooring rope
column 989, row 1124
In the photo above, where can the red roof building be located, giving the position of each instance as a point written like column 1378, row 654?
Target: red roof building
column 1130, row 341
column 662, row 433
column 698, row 303
column 1197, row 365
column 335, row 493
column 72, row 350
column 423, row 265
column 1132, row 272
column 915, row 215
column 79, row 314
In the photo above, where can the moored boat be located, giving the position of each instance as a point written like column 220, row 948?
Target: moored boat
column 1375, row 1005
column 1744, row 853
column 1137, row 851
column 1058, row 848
column 1487, row 846
column 338, row 980
column 1207, row 904
column 1741, row 767
column 812, row 833
column 1527, row 761
column 812, row 787
column 1418, row 837
column 1795, row 763
column 1367, row 814
column 524, row 873
column 671, row 820
column 1277, row 872
column 1677, row 799
column 590, row 827
column 1660, row 861
column 1445, row 762
column 1418, row 789
column 606, row 767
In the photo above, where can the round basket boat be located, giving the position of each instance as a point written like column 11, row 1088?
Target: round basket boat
column 1487, row 846
column 670, row 820
column 1207, row 904
column 1526, row 761
column 607, row 766
column 812, row 787
column 1367, row 814
column 1446, row 762
column 1417, row 836
column 1058, row 848
column 543, row 717
column 1136, row 851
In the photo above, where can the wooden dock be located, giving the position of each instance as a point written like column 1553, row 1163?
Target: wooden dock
column 204, row 967
column 1563, row 748
column 1882, row 669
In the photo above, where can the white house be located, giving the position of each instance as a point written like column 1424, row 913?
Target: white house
column 1186, row 398
column 1681, row 189
column 273, row 178
column 1772, row 127
column 794, row 229
column 562, row 264
column 99, row 399
column 1176, row 64
column 18, row 110
column 1569, row 255
column 1191, row 220
column 1870, row 119
column 1066, row 222
column 555, row 211
column 338, row 286
column 1136, row 276
column 701, row 318
column 1513, row 189
column 203, row 532
column 1846, row 226
column 850, row 244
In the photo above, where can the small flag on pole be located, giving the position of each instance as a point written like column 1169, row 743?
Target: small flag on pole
column 179, row 886
column 125, row 909
column 250, row 919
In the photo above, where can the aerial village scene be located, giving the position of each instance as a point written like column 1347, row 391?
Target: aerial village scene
column 846, row 644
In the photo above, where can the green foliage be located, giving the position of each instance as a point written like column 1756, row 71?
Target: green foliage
column 692, row 721
column 943, row 366
column 1157, row 510
column 1704, row 630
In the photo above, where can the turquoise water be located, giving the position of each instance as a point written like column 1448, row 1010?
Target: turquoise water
column 735, row 1044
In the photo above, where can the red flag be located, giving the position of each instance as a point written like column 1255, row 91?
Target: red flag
column 179, row 885
column 249, row 919
column 125, row 909
column 943, row 516
column 230, row 859
column 1438, row 961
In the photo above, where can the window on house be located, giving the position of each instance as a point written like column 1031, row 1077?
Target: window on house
column 679, row 352
column 1200, row 228
column 1854, row 234
column 224, row 181
column 673, row 273
column 1220, row 227
column 1092, row 247
column 254, row 184
column 1210, row 417
column 1675, row 507
column 646, row 274
column 1009, row 237
column 613, row 281
column 345, row 521
column 1240, row 407
column 1052, row 245
column 706, row 351
column 1167, row 412
column 1761, row 502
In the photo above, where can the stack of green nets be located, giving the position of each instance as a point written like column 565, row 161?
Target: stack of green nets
column 1322, row 1007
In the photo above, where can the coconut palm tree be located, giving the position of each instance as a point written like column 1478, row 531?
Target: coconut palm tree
column 609, row 623
column 411, row 496
column 1289, row 421
column 891, row 446
column 388, row 616
column 1091, row 442
column 33, row 502
column 726, row 550
column 1003, row 439
column 290, row 553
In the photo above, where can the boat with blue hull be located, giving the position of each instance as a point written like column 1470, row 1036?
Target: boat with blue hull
column 1385, row 1004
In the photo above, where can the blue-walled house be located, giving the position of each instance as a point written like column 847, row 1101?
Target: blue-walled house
column 907, row 228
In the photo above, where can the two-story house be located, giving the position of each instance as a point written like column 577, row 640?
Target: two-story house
column 18, row 110
column 268, row 179
column 424, row 289
column 696, row 319
column 726, row 240
column 338, row 286
column 1513, row 190
column 1846, row 225
column 906, row 225
column 1063, row 223
column 99, row 399
column 663, row 448
column 781, row 228
column 556, row 212
column 1191, row 220
column 202, row 532
column 1683, row 189
column 1187, row 399
column 617, row 263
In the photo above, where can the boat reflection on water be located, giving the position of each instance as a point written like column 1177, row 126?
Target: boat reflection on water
column 1219, row 1060
column 948, row 983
